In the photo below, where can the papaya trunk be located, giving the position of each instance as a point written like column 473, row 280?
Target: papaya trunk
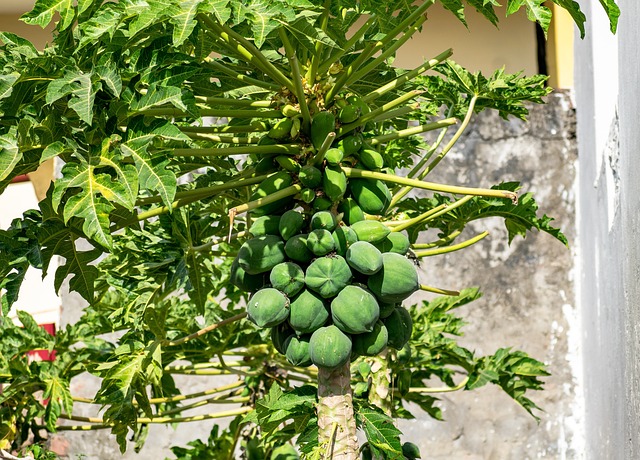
column 336, row 419
column 380, row 382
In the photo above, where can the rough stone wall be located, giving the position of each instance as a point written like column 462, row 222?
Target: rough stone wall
column 528, row 288
column 528, row 304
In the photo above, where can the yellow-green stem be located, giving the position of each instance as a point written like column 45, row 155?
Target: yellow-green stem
column 435, row 290
column 203, row 331
column 435, row 212
column 424, row 185
column 458, row 387
column 412, row 131
column 341, row 51
column 224, row 129
column 284, row 193
column 210, row 62
column 442, row 241
column 283, row 149
column 161, row 419
column 297, row 81
column 235, row 102
column 447, row 249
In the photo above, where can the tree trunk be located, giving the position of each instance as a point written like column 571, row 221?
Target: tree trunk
column 336, row 420
column 380, row 382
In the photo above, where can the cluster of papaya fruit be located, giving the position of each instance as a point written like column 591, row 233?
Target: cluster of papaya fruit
column 326, row 274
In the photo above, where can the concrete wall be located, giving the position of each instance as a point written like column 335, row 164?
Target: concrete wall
column 609, row 140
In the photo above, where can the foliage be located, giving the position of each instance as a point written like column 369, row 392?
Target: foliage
column 156, row 109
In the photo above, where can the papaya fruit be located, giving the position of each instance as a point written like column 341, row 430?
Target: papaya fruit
column 290, row 111
column 371, row 159
column 308, row 312
column 372, row 195
column 386, row 308
column 364, row 257
column 296, row 349
column 290, row 224
column 281, row 129
column 287, row 277
column 334, row 156
column 397, row 279
column 334, row 182
column 328, row 275
column 322, row 203
column 322, row 124
column 399, row 327
column 244, row 281
column 320, row 242
column 394, row 242
column 350, row 144
column 371, row 343
column 307, row 195
column 355, row 310
column 310, row 176
column 261, row 254
column 268, row 307
column 296, row 249
column 265, row 225
column 329, row 347
column 351, row 212
column 344, row 237
column 323, row 219
column 267, row 140
column 410, row 451
column 279, row 334
column 371, row 231
column 349, row 113
column 287, row 163
column 269, row 186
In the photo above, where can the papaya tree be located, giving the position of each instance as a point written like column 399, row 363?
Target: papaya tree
column 242, row 189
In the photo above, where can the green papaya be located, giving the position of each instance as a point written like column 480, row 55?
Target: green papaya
column 296, row 249
column 322, row 203
column 355, row 310
column 404, row 355
column 386, row 308
column 357, row 101
column 297, row 350
column 371, row 159
column 349, row 113
column 322, row 124
column 399, row 326
column 244, row 281
column 397, row 279
column 351, row 144
column 371, row 231
column 334, row 182
column 334, row 156
column 268, row 307
column 308, row 312
column 307, row 195
column 310, row 176
column 281, row 129
column 279, row 334
column 410, row 451
column 344, row 237
column 351, row 212
column 261, row 254
column 269, row 186
column 265, row 225
column 364, row 257
column 290, row 111
column 287, row 163
column 323, row 219
column 290, row 224
column 267, row 140
column 372, row 195
column 329, row 347
column 320, row 242
column 264, row 165
column 371, row 343
column 287, row 277
column 394, row 242
column 328, row 275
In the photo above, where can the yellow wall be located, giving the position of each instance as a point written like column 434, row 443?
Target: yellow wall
column 481, row 47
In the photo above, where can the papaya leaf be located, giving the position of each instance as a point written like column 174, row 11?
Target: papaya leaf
column 158, row 96
column 58, row 394
column 10, row 155
column 536, row 11
column 457, row 8
column 184, row 21
column 380, row 430
column 264, row 17
column 44, row 11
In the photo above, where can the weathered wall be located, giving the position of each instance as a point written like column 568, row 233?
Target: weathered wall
column 528, row 287
column 607, row 96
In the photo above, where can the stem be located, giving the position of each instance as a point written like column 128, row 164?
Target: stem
column 360, row 173
column 368, row 51
column 442, row 241
column 297, row 81
column 402, row 79
column 315, row 59
column 80, row 427
column 459, row 386
column 380, row 382
column 435, row 290
column 335, row 405
column 203, row 331
column 379, row 111
column 447, row 249
column 204, row 402
column 235, row 102
column 412, row 131
column 223, row 139
column 241, row 77
column 284, row 193
column 161, row 419
column 319, row 156
column 283, row 149
column 206, row 112
column 435, row 212
column 341, row 51
column 224, row 129
column 416, row 220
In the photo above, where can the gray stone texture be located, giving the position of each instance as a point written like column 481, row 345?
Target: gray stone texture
column 528, row 288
